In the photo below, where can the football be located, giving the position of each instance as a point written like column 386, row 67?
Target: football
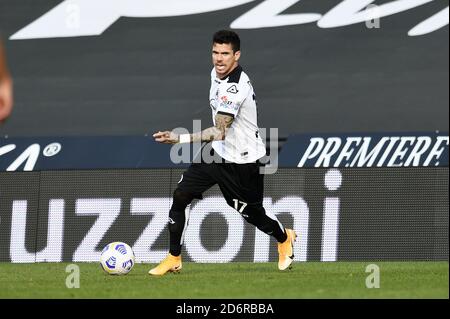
column 117, row 258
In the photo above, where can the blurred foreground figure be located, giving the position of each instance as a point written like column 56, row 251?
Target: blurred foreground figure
column 6, row 88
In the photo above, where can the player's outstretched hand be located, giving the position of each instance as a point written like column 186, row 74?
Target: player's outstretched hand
column 166, row 137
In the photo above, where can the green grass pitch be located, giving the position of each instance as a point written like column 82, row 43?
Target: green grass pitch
column 230, row 281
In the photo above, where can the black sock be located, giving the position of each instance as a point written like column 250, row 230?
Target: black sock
column 256, row 215
column 176, row 227
column 177, row 220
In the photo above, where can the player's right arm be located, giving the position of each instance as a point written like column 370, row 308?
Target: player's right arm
column 215, row 133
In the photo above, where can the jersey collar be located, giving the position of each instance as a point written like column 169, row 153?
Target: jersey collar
column 233, row 76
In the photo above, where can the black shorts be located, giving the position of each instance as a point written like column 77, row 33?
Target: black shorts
column 239, row 183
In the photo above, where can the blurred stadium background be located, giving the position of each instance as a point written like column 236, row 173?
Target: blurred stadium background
column 92, row 79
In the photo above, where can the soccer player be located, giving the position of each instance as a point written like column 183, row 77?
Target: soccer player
column 235, row 138
column 6, row 95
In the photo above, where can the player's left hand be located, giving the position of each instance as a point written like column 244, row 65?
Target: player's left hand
column 166, row 137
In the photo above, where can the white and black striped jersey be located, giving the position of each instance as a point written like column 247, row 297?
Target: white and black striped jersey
column 234, row 96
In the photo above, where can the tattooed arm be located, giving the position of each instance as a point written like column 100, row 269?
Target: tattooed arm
column 214, row 133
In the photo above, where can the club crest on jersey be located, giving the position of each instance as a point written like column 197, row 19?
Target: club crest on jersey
column 232, row 89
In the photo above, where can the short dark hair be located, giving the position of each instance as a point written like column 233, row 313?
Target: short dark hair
column 228, row 37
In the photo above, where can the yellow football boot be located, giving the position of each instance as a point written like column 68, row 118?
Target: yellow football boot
column 169, row 264
column 286, row 250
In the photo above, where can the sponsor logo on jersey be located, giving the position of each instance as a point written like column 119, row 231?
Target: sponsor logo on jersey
column 226, row 104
